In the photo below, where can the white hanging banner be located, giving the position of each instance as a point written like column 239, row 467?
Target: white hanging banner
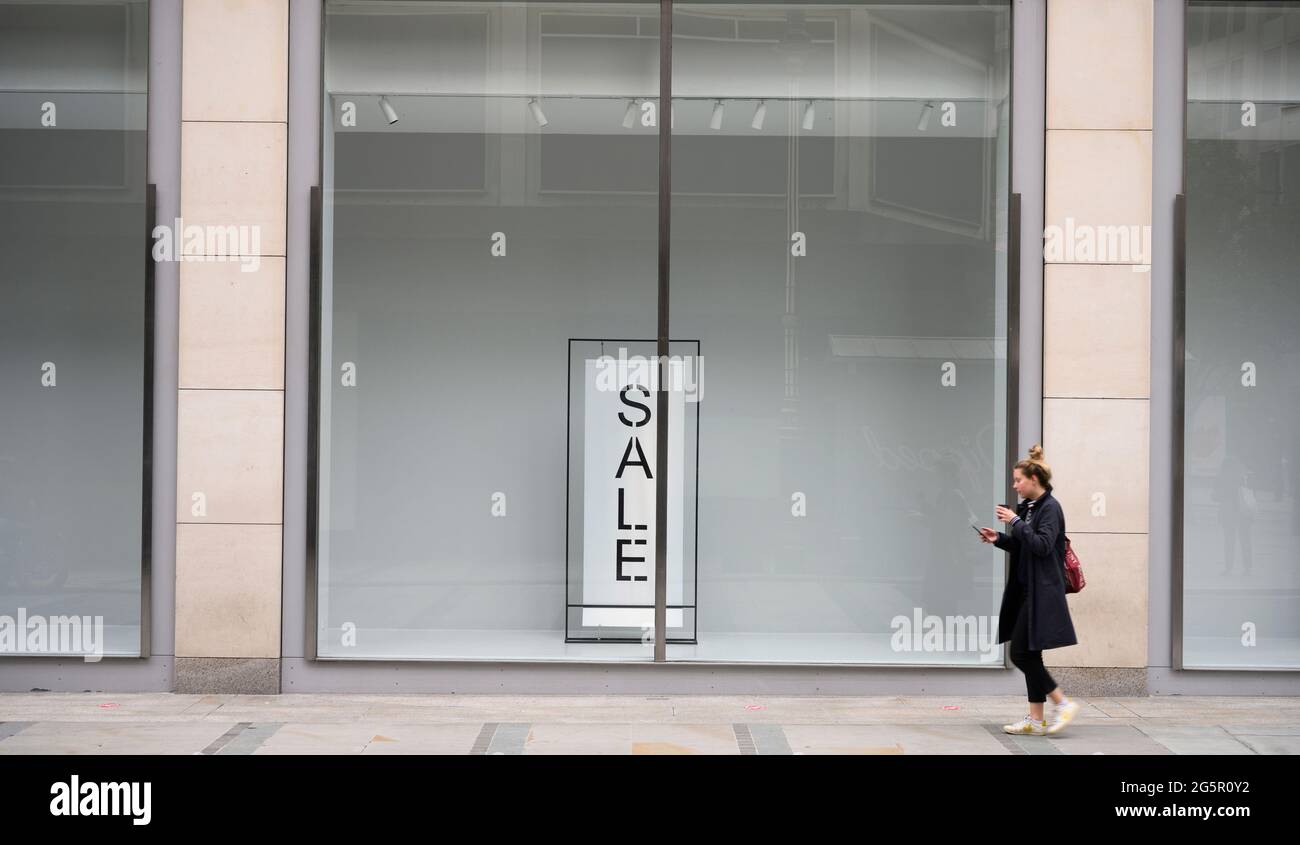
column 619, row 458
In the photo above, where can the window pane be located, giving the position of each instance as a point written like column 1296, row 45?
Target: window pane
column 1241, row 515
column 490, row 200
column 72, row 319
column 838, row 249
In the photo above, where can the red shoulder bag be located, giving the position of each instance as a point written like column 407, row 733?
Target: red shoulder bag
column 1073, row 570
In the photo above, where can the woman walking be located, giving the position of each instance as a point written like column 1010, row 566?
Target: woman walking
column 1034, row 614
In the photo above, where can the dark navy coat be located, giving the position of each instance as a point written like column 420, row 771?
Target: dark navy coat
column 1040, row 544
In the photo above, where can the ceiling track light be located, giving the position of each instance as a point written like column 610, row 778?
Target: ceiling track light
column 760, row 114
column 390, row 113
column 715, row 119
column 809, row 115
column 924, row 123
column 536, row 109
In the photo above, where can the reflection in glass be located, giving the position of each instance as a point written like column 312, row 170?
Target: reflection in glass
column 838, row 247
column 1241, row 514
column 72, row 319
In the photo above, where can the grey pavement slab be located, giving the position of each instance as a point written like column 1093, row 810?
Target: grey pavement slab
column 1080, row 739
column 1271, row 744
column 8, row 729
column 123, row 738
column 1195, row 739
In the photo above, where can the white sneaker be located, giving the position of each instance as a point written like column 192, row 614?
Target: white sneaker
column 1027, row 725
column 1062, row 715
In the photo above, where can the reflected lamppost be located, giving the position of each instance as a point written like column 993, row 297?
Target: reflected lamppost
column 793, row 50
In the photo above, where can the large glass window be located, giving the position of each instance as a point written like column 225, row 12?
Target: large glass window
column 486, row 203
column 489, row 284
column 73, row 324
column 1241, row 459
column 839, row 195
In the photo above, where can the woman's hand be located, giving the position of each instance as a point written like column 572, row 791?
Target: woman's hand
column 1005, row 514
column 988, row 534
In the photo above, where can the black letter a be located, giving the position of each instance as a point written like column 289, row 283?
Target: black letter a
column 643, row 463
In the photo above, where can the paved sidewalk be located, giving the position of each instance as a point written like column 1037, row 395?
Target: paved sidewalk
column 165, row 723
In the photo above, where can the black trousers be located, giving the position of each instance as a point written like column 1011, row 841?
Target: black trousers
column 1038, row 682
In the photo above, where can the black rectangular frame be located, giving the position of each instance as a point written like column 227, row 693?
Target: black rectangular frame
column 661, row 475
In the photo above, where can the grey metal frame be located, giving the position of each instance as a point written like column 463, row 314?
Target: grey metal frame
column 306, row 63
column 301, row 671
column 1028, row 175
column 1164, row 568
column 661, row 397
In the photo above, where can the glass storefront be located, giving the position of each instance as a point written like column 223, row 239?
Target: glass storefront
column 1241, row 454
column 485, row 472
column 73, row 322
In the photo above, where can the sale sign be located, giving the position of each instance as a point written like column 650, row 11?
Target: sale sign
column 620, row 451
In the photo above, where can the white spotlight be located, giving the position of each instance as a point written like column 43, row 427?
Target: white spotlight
column 390, row 113
column 760, row 114
column 536, row 109
column 809, row 115
column 924, row 123
column 715, row 119
column 629, row 116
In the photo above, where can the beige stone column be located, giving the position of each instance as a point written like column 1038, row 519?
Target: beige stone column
column 229, row 463
column 1097, row 325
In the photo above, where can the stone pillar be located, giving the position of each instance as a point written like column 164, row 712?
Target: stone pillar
column 230, row 428
column 1097, row 326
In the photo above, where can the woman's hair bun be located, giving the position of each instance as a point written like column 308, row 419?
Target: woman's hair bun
column 1035, row 466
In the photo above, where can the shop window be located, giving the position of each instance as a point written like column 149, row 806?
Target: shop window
column 75, row 312
column 489, row 239
column 1241, row 369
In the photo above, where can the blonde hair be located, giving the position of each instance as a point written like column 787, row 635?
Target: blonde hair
column 1034, row 466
